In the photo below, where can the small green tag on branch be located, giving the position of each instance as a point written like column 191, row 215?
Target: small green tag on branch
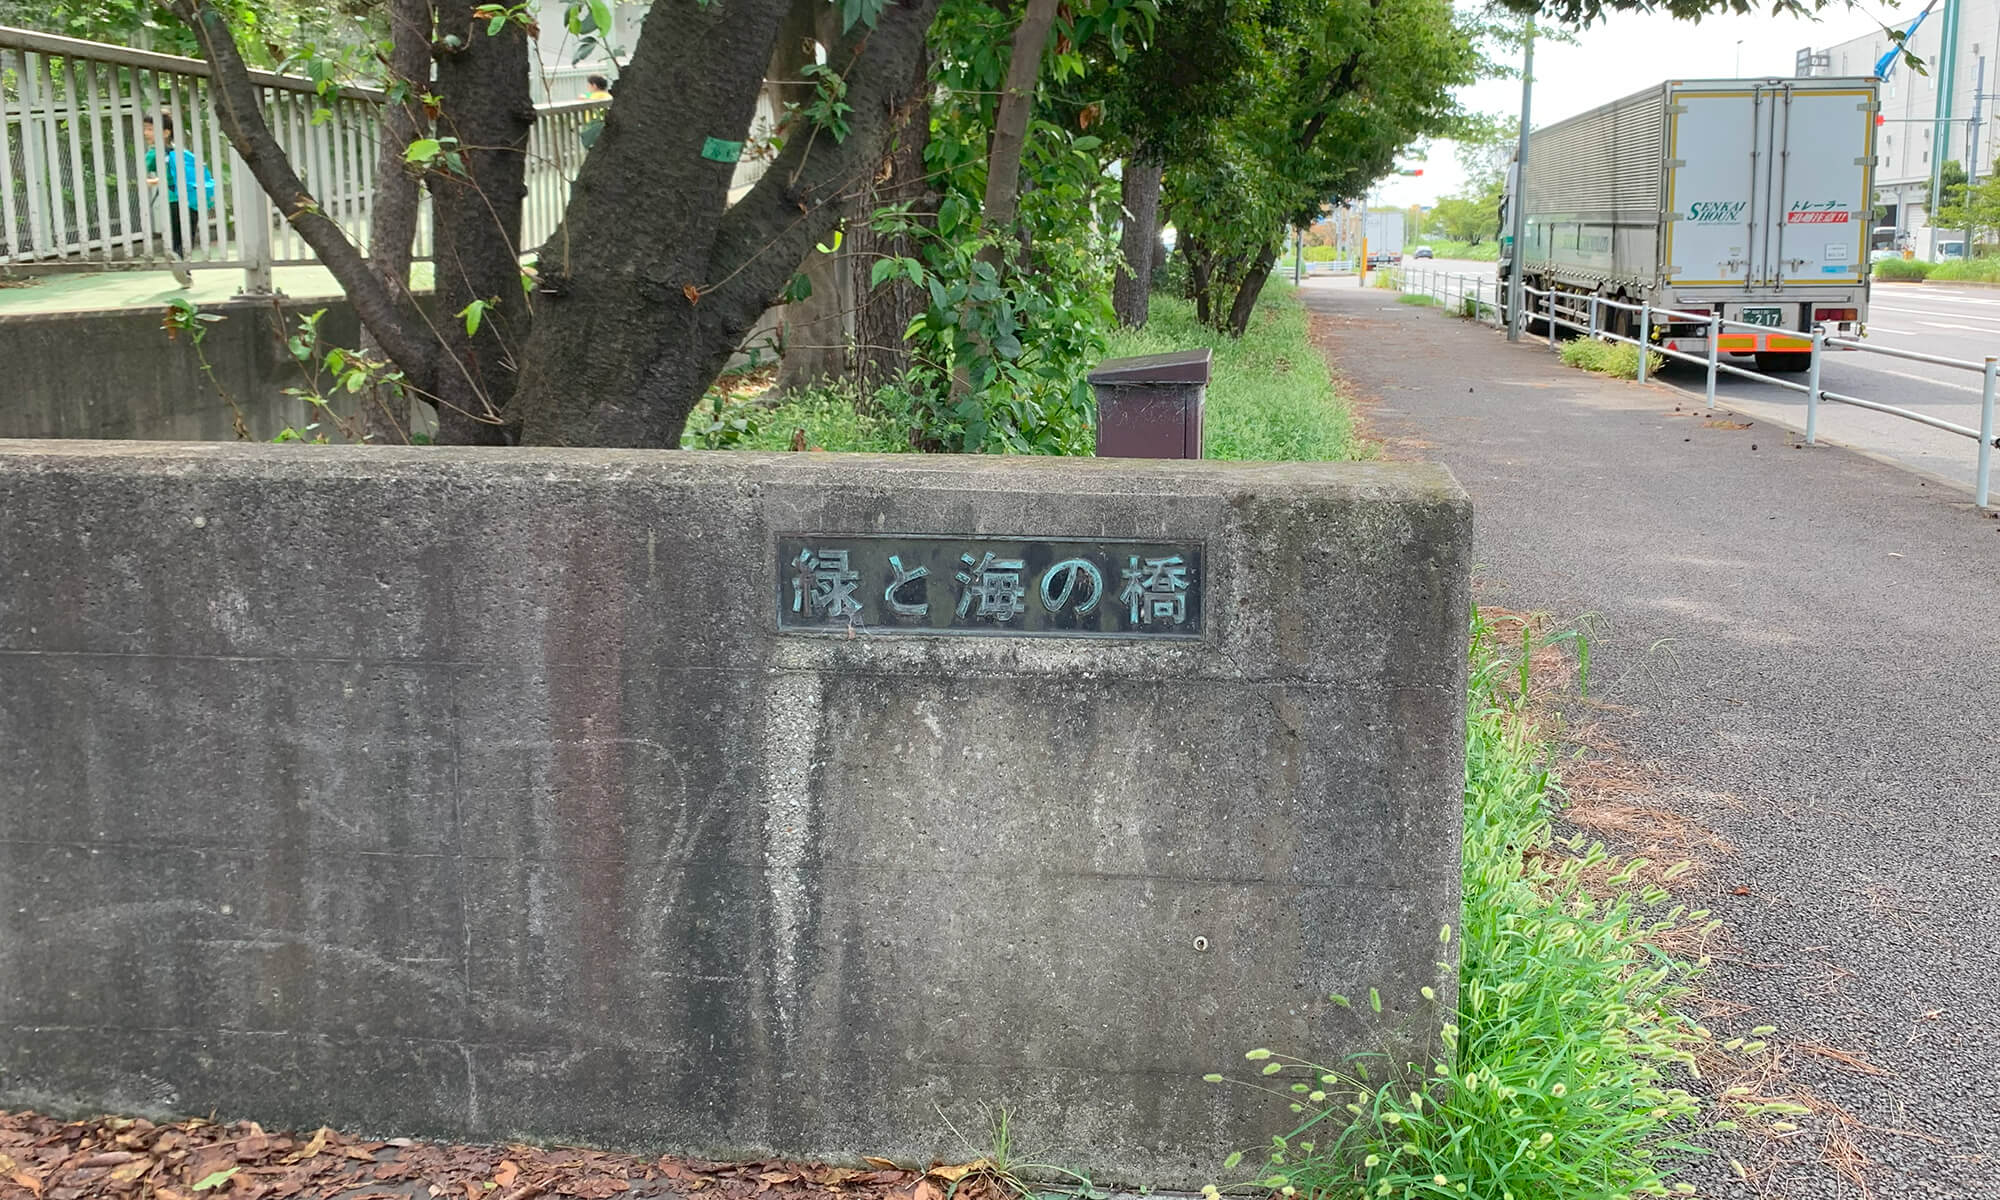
column 717, row 150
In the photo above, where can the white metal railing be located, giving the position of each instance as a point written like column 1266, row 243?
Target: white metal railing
column 76, row 183
column 1585, row 314
column 1473, row 296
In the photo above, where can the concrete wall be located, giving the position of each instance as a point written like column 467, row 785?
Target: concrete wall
column 480, row 793
column 115, row 374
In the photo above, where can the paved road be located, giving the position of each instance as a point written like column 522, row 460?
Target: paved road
column 1935, row 319
column 1803, row 646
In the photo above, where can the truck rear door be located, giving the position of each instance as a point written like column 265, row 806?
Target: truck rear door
column 1718, row 144
column 1819, row 226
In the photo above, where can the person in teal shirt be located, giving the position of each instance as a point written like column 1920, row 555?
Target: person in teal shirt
column 190, row 188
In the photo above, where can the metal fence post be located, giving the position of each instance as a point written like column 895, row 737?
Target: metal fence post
column 1714, row 346
column 1552, row 317
column 1812, row 388
column 253, row 229
column 1593, row 314
column 1645, row 323
column 1981, row 486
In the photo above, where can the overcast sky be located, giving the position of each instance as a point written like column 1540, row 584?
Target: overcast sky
column 1629, row 51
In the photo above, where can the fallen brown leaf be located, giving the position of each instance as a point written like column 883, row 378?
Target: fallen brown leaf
column 953, row 1174
column 505, row 1174
column 27, row 1181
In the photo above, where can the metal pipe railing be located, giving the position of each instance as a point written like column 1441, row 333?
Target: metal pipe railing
column 76, row 188
column 1586, row 314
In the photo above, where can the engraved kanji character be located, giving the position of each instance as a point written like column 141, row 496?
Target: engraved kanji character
column 1156, row 592
column 822, row 584
column 995, row 583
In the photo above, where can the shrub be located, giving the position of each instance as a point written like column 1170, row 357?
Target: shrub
column 1416, row 298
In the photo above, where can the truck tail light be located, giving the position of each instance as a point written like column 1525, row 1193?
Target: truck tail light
column 1836, row 314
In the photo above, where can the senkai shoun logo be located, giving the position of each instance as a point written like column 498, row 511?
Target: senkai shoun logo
column 1717, row 212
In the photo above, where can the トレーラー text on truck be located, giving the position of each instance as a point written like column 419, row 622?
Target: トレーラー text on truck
column 1747, row 198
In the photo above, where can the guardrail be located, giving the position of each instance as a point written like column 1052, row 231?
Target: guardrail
column 1585, row 314
column 76, row 190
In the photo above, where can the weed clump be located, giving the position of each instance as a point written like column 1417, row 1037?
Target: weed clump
column 1609, row 358
column 1558, row 1076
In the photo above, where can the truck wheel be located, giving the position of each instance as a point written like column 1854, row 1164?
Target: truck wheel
column 1789, row 362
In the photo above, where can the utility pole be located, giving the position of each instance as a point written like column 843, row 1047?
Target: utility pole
column 1517, row 204
column 1947, row 82
column 1972, row 150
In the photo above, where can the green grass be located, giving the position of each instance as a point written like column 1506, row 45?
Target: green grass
column 1979, row 270
column 1416, row 298
column 1608, row 358
column 1270, row 395
column 1903, row 269
column 829, row 417
column 1560, row 1077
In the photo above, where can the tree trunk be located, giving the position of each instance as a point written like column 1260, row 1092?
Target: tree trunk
column 882, row 314
column 813, row 330
column 1010, row 120
column 486, row 105
column 1254, row 278
column 385, row 411
column 636, row 318
column 1132, row 287
column 1199, row 268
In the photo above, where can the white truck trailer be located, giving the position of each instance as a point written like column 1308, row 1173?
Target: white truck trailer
column 1384, row 233
column 1747, row 197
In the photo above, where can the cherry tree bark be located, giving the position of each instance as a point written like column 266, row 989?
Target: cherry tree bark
column 636, row 316
column 385, row 411
column 1139, row 193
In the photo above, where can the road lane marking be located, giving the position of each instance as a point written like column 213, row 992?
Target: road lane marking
column 1943, row 383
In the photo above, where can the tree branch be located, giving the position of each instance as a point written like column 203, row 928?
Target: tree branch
column 242, row 119
column 1010, row 121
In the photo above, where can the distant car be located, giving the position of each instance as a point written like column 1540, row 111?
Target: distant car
column 1424, row 252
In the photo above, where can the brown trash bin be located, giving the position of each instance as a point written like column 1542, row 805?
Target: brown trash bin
column 1150, row 406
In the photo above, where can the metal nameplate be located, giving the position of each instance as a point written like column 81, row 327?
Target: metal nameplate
column 895, row 584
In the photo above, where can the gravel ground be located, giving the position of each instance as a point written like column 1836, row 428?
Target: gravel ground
column 1805, row 645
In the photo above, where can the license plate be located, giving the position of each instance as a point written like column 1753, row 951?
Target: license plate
column 1773, row 317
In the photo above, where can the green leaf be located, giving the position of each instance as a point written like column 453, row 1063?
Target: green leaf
column 883, row 269
column 798, row 289
column 216, row 1180
column 600, row 12
column 421, row 150
column 494, row 26
column 473, row 313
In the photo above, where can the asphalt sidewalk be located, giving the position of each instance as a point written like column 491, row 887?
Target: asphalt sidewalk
column 1804, row 646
